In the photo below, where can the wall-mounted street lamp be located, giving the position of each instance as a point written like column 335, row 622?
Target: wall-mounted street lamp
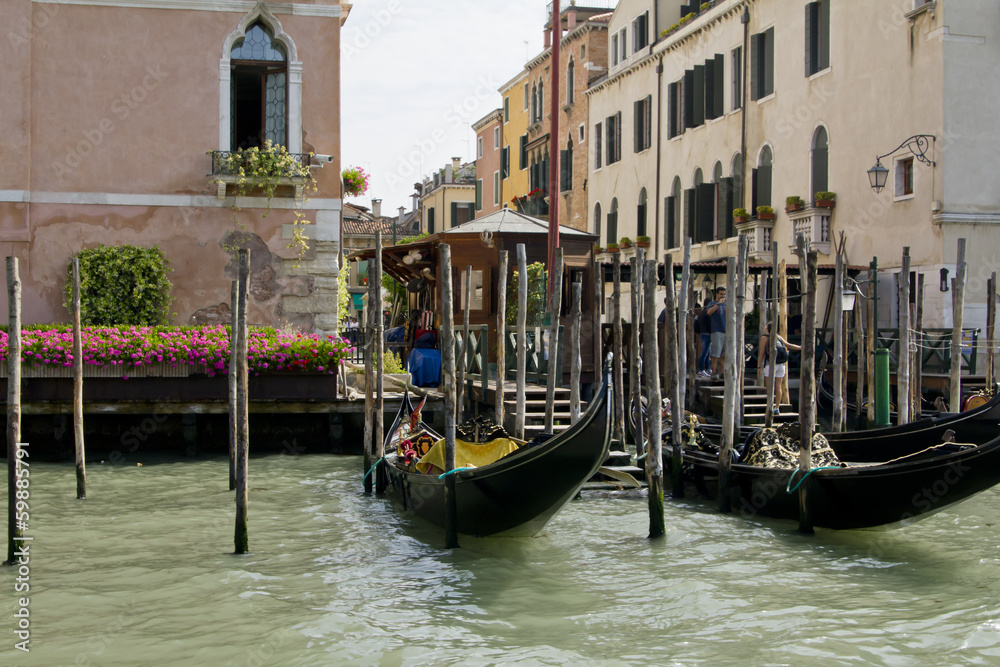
column 847, row 299
column 944, row 280
column 917, row 145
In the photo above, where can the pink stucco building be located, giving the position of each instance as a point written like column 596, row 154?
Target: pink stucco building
column 110, row 111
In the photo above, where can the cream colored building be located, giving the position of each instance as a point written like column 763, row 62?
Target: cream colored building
column 448, row 196
column 110, row 109
column 828, row 86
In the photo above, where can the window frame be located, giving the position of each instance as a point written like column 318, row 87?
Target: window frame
column 293, row 90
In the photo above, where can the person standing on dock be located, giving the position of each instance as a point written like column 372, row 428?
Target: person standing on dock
column 717, row 311
column 780, row 364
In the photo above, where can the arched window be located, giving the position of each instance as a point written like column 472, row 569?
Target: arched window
column 640, row 214
column 613, row 222
column 260, row 85
column 762, row 178
column 570, row 83
column 541, row 101
column 566, row 167
column 820, row 162
column 699, row 177
column 259, row 80
column 597, row 221
column 534, row 103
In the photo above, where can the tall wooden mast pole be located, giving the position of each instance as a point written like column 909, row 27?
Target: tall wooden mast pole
column 554, row 144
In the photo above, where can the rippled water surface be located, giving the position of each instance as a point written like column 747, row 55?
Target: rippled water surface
column 142, row 573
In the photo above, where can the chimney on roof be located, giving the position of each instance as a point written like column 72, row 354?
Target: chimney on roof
column 416, row 200
column 402, row 212
column 377, row 208
column 548, row 39
column 456, row 164
column 571, row 18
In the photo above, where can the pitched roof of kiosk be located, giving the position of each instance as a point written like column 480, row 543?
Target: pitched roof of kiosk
column 509, row 221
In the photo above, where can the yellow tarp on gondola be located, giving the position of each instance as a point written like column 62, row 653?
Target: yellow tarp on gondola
column 467, row 454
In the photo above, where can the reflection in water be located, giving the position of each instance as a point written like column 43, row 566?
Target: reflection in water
column 142, row 573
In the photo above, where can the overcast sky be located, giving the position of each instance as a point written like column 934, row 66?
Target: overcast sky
column 415, row 75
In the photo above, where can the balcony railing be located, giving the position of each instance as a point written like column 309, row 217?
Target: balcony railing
column 222, row 161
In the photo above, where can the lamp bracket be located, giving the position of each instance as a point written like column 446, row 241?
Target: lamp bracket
column 917, row 145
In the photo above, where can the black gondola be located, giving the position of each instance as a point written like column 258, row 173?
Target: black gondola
column 518, row 494
column 976, row 426
column 893, row 475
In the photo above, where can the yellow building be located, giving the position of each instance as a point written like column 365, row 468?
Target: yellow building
column 514, row 138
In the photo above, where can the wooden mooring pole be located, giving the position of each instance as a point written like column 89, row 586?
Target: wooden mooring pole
column 654, row 460
column 368, row 353
column 903, row 364
column 378, row 434
column 576, row 317
column 729, row 397
column 958, row 321
column 448, row 373
column 80, row 449
column 838, row 346
column 618, row 430
column 635, row 353
column 807, row 382
column 672, row 382
column 555, row 308
column 684, row 319
column 991, row 328
column 772, row 339
column 463, row 348
column 242, row 415
column 522, row 333
column 739, row 303
column 501, row 337
column 234, row 307
column 15, row 530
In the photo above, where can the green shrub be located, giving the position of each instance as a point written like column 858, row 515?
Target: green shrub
column 121, row 285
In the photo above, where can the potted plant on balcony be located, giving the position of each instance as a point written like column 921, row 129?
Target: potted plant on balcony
column 612, row 247
column 826, row 199
column 765, row 213
column 598, row 249
column 794, row 203
column 642, row 241
column 625, row 242
column 740, row 215
column 355, row 181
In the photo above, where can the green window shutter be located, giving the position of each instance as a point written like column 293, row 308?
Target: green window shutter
column 709, row 89
column 811, row 33
column 720, row 83
column 454, row 214
column 637, row 116
column 768, row 61
column 698, row 95
column 688, row 92
column 479, row 194
column 756, row 52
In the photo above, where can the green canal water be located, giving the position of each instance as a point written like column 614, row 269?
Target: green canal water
column 142, row 574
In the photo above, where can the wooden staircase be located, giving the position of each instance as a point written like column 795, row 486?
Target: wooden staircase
column 534, row 410
column 712, row 393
